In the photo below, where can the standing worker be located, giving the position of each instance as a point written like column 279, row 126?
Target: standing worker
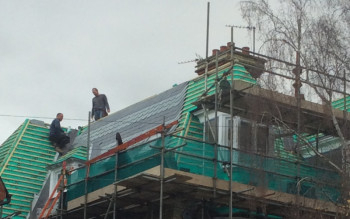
column 57, row 135
column 99, row 105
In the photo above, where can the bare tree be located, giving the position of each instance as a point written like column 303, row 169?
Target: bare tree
column 305, row 32
column 315, row 37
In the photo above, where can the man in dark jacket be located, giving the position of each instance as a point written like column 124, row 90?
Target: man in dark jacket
column 57, row 135
column 100, row 105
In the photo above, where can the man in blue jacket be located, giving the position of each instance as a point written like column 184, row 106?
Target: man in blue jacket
column 57, row 135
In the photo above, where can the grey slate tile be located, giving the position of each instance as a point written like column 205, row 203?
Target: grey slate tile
column 134, row 120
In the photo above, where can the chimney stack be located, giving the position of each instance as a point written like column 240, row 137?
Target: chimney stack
column 214, row 51
column 223, row 48
column 245, row 50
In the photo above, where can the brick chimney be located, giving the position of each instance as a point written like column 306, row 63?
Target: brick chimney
column 245, row 50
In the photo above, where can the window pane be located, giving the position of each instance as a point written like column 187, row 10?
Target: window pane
column 262, row 139
column 245, row 136
column 210, row 132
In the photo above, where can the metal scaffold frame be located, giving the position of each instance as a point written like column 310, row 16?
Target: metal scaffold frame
column 163, row 131
column 112, row 200
column 206, row 122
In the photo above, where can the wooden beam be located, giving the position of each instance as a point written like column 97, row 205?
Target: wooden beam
column 199, row 187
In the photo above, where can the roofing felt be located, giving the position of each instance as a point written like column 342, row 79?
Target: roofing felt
column 343, row 103
column 24, row 157
column 134, row 120
column 76, row 153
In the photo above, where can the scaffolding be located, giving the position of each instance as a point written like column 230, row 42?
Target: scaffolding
column 141, row 192
column 119, row 183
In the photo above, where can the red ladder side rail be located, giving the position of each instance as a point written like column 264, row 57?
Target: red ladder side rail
column 55, row 200
column 53, row 193
column 50, row 198
column 131, row 142
column 52, row 204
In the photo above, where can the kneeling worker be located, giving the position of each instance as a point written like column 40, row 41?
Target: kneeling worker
column 57, row 135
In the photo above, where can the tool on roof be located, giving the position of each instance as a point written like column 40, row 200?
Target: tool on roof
column 118, row 137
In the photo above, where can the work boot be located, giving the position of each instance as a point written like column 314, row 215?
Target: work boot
column 59, row 150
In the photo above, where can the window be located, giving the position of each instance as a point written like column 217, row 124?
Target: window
column 262, row 139
column 246, row 136
column 210, row 132
column 226, row 127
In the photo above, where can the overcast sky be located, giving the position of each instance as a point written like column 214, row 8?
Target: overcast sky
column 53, row 53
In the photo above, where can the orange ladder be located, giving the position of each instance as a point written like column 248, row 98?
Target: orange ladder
column 52, row 201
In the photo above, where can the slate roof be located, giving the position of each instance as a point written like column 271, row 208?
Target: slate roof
column 134, row 120
column 149, row 113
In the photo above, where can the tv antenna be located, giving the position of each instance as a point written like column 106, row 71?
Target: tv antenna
column 199, row 58
column 245, row 27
